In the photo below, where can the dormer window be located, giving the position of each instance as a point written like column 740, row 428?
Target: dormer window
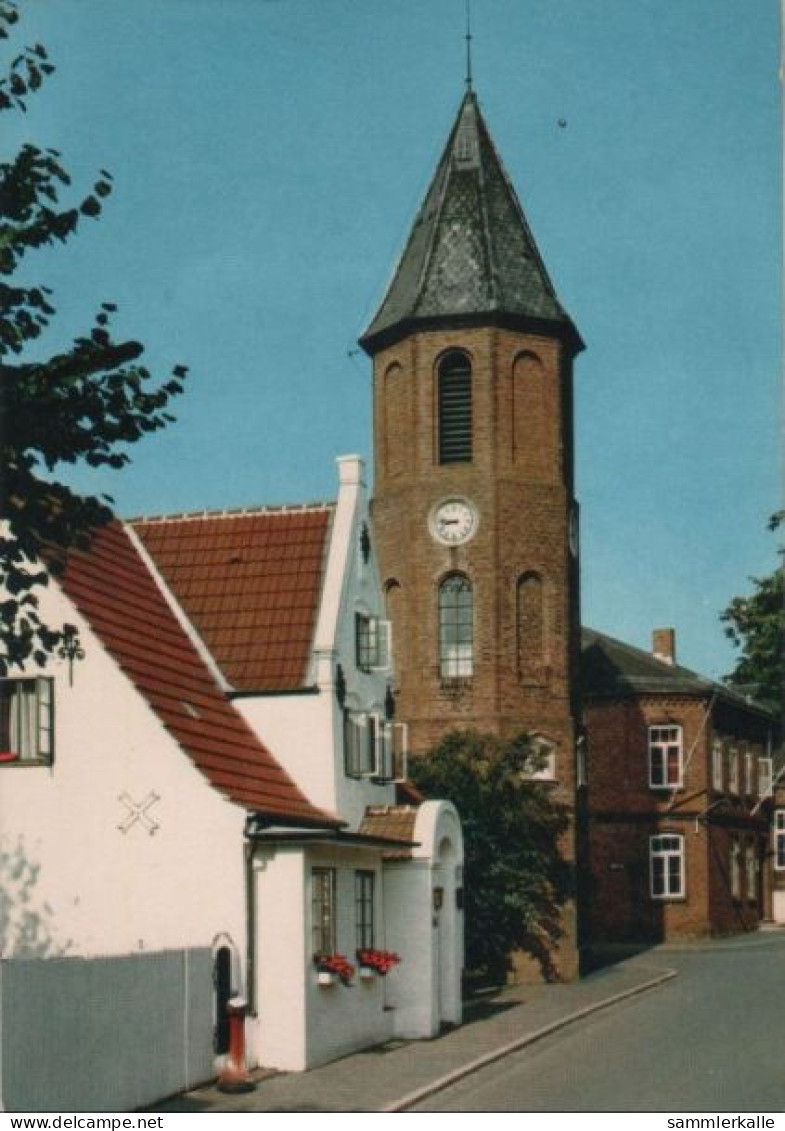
column 455, row 409
column 27, row 721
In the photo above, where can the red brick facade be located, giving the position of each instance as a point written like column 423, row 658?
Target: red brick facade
column 523, row 574
column 716, row 812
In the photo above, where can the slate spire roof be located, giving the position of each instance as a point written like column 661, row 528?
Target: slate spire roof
column 470, row 256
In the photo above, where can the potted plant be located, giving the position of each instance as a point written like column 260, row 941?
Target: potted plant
column 374, row 961
column 332, row 966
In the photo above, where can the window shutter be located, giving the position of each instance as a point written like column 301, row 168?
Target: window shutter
column 400, row 750
column 45, row 735
column 455, row 410
column 371, row 728
column 383, row 650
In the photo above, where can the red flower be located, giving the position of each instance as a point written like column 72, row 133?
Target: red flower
column 335, row 964
column 379, row 960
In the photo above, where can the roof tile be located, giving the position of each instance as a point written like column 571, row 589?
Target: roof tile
column 111, row 585
column 250, row 583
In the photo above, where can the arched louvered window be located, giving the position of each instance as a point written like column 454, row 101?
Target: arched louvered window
column 455, row 409
column 456, row 627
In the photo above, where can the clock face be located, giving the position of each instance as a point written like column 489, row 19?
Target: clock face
column 452, row 522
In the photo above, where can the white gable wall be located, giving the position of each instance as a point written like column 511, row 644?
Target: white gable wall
column 306, row 730
column 72, row 882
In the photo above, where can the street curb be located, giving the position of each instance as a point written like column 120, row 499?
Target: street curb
column 437, row 1085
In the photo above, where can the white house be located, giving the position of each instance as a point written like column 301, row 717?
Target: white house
column 151, row 844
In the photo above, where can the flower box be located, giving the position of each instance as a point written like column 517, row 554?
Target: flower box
column 334, row 966
column 367, row 972
column 325, row 978
column 377, row 962
column 8, row 756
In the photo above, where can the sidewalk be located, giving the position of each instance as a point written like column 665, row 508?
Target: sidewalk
column 391, row 1076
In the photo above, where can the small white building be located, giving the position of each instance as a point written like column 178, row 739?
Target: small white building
column 207, row 801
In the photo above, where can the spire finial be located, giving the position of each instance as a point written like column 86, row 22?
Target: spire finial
column 468, row 45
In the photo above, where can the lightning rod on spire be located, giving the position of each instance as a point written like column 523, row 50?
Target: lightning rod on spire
column 468, row 45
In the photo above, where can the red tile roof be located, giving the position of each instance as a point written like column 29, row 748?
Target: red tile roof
column 391, row 822
column 111, row 585
column 250, row 584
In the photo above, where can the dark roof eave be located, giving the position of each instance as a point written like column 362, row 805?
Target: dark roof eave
column 336, row 836
column 259, row 820
column 372, row 341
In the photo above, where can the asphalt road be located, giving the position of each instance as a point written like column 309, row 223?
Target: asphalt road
column 711, row 1040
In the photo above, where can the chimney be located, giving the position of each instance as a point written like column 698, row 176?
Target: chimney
column 663, row 645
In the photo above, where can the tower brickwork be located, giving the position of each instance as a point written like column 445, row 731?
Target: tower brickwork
column 474, row 511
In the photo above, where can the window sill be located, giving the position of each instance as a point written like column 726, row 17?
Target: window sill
column 17, row 763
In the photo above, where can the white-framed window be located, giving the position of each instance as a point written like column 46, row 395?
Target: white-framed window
column 666, row 856
column 735, row 868
column 323, row 910
column 751, row 870
column 749, row 773
column 364, row 910
column 765, row 773
column 716, row 764
column 372, row 638
column 27, row 720
column 543, row 766
column 456, row 627
column 733, row 768
column 373, row 747
column 665, row 756
column 779, row 839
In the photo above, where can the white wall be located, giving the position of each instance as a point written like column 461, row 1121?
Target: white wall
column 300, row 1023
column 76, row 883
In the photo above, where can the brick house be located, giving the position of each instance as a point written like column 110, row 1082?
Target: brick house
column 677, row 797
column 778, row 848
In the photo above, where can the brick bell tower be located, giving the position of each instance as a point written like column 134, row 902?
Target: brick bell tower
column 474, row 511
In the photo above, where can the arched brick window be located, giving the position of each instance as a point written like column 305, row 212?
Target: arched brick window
column 456, row 627
column 454, row 385
column 530, row 620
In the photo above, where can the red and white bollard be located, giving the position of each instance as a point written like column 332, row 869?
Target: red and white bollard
column 234, row 1077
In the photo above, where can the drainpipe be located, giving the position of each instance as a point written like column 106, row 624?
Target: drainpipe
column 250, row 929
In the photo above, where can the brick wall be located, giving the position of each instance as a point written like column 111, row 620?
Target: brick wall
column 520, row 480
column 625, row 812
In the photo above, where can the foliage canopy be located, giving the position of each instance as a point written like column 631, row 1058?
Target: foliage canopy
column 515, row 880
column 756, row 625
column 85, row 403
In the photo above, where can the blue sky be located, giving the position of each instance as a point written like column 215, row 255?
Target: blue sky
column 268, row 158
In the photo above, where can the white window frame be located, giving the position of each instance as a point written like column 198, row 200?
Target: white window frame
column 664, row 849
column 749, row 774
column 733, row 768
column 543, row 748
column 751, row 871
column 324, row 910
column 778, row 832
column 717, row 765
column 392, row 748
column 373, row 639
column 735, row 868
column 455, row 600
column 660, row 747
column 365, row 908
column 27, row 727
